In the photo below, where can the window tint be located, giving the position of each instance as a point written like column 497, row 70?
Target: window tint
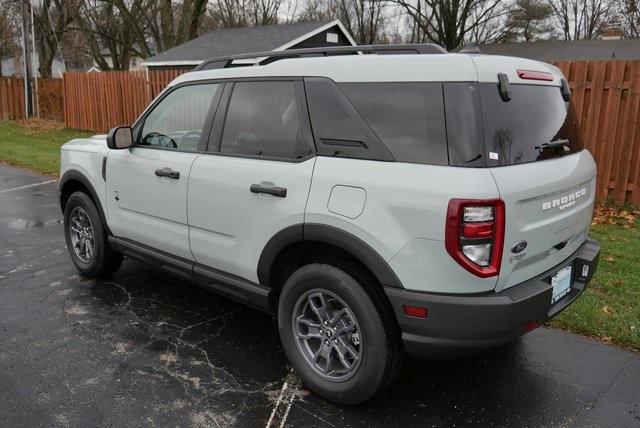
column 515, row 131
column 335, row 121
column 407, row 117
column 338, row 128
column 263, row 119
column 464, row 124
column 177, row 121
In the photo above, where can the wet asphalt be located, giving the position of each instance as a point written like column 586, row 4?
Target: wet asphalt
column 146, row 349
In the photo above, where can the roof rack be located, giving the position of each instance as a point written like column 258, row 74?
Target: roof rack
column 227, row 61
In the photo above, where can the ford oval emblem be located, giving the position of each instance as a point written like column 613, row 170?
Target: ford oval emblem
column 519, row 247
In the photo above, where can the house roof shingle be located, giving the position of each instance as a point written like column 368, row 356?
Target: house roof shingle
column 560, row 50
column 231, row 41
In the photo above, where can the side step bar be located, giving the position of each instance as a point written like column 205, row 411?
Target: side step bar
column 220, row 282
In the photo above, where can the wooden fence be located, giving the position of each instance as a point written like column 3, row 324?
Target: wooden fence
column 49, row 97
column 11, row 99
column 100, row 101
column 606, row 95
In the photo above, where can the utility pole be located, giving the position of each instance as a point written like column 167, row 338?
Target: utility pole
column 26, row 57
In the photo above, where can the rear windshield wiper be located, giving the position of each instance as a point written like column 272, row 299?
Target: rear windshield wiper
column 555, row 143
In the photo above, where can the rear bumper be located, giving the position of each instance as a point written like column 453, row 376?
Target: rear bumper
column 456, row 324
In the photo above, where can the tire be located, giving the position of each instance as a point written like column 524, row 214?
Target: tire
column 372, row 358
column 81, row 214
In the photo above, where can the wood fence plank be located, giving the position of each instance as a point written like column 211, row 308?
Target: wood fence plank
column 627, row 132
column 616, row 77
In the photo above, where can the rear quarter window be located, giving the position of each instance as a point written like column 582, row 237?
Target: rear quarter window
column 408, row 118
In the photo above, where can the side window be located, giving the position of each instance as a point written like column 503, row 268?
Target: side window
column 407, row 117
column 338, row 128
column 263, row 119
column 464, row 124
column 177, row 121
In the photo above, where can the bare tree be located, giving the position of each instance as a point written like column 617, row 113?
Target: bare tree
column 9, row 30
column 365, row 20
column 581, row 19
column 110, row 41
column 52, row 18
column 168, row 23
column 528, row 20
column 451, row 23
column 245, row 13
column 628, row 12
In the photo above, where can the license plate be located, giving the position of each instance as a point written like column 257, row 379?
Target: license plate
column 561, row 283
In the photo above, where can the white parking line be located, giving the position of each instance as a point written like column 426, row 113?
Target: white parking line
column 285, row 400
column 275, row 408
column 27, row 186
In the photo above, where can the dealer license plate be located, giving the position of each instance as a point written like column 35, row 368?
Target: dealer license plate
column 561, row 283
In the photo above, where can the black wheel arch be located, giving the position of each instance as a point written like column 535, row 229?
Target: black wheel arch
column 73, row 181
column 314, row 232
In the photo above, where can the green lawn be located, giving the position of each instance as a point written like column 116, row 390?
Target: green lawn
column 609, row 309
column 34, row 147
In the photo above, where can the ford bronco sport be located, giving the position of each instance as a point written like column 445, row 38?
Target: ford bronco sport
column 379, row 200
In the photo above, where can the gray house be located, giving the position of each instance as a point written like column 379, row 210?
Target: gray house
column 560, row 50
column 232, row 41
column 13, row 66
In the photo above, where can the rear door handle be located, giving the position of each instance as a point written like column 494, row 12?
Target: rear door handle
column 280, row 192
column 168, row 172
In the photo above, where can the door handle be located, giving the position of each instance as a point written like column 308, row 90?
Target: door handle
column 168, row 172
column 280, row 192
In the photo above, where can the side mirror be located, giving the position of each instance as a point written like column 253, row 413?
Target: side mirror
column 120, row 137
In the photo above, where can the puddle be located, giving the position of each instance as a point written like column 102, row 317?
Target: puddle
column 31, row 224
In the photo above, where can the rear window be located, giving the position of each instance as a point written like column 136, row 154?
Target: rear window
column 516, row 131
column 407, row 117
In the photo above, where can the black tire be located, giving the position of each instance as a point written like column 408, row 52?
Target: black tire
column 104, row 261
column 380, row 351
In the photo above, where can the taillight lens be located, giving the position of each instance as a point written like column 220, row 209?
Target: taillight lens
column 535, row 75
column 474, row 234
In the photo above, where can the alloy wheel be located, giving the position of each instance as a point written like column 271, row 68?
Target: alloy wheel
column 82, row 235
column 327, row 334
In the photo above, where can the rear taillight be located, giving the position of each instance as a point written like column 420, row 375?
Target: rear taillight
column 474, row 234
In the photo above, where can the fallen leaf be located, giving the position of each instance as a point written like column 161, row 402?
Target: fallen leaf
column 606, row 310
column 611, row 215
column 610, row 259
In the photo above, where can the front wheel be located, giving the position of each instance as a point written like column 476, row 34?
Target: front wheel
column 86, row 238
column 335, row 336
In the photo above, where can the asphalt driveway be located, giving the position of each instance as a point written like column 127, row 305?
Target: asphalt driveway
column 146, row 349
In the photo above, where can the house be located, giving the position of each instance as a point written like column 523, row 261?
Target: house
column 232, row 41
column 13, row 66
column 135, row 62
column 560, row 50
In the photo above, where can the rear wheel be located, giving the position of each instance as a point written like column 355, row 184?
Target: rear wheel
column 87, row 239
column 334, row 335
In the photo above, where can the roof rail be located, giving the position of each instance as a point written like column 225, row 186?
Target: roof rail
column 227, row 61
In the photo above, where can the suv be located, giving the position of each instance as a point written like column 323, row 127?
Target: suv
column 379, row 200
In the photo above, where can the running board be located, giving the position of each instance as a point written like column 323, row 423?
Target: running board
column 229, row 285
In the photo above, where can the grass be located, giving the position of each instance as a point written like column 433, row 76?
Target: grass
column 609, row 309
column 35, row 144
